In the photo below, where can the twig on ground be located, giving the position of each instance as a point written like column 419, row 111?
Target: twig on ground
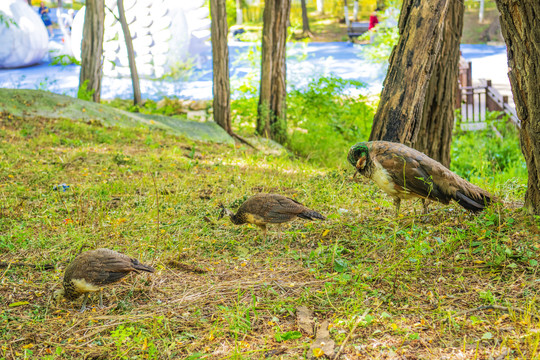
column 360, row 318
column 243, row 141
column 42, row 267
column 491, row 307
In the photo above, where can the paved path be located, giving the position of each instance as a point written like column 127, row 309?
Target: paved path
column 305, row 62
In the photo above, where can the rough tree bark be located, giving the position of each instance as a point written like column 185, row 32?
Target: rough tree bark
column 220, row 60
column 435, row 135
column 271, row 112
column 92, row 48
column 521, row 31
column 306, row 31
column 137, row 99
column 412, row 62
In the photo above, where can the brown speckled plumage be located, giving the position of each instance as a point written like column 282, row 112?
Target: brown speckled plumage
column 263, row 209
column 403, row 172
column 92, row 270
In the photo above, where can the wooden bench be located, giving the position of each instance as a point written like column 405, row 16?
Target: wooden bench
column 357, row 28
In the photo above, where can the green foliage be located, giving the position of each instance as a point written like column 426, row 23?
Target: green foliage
column 324, row 121
column 166, row 106
column 180, row 70
column 6, row 20
column 64, row 60
column 382, row 42
column 491, row 156
column 84, row 93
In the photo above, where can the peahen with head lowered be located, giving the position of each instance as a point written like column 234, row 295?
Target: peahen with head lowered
column 404, row 173
column 263, row 209
column 93, row 269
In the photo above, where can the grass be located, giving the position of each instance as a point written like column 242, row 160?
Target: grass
column 220, row 291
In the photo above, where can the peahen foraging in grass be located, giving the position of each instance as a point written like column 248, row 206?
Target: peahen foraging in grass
column 404, row 173
column 92, row 270
column 263, row 209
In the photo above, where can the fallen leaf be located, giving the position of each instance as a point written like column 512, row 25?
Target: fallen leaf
column 304, row 319
column 323, row 341
column 18, row 303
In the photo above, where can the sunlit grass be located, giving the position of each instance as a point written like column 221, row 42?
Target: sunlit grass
column 220, row 290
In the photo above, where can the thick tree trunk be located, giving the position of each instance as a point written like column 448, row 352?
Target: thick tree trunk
column 435, row 135
column 92, row 48
column 519, row 23
column 220, row 61
column 137, row 99
column 271, row 114
column 305, row 21
column 412, row 62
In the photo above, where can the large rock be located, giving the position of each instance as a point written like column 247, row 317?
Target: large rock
column 20, row 102
column 24, row 43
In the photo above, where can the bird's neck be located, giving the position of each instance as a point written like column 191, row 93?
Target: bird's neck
column 70, row 293
column 368, row 168
column 237, row 219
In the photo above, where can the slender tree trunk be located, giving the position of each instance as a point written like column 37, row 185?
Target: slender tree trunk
column 220, row 61
column 435, row 135
column 305, row 21
column 355, row 10
column 60, row 4
column 92, row 48
column 137, row 99
column 519, row 23
column 412, row 62
column 320, row 6
column 239, row 17
column 271, row 114
column 346, row 11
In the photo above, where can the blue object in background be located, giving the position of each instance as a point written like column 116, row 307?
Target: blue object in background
column 64, row 187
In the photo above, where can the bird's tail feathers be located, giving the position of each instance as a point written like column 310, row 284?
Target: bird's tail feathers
column 474, row 205
column 138, row 266
column 309, row 214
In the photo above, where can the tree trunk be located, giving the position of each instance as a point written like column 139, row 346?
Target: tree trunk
column 355, row 10
column 92, row 49
column 137, row 99
column 320, row 6
column 60, row 4
column 271, row 113
column 519, row 23
column 412, row 62
column 346, row 12
column 435, row 135
column 305, row 21
column 220, row 61
column 239, row 17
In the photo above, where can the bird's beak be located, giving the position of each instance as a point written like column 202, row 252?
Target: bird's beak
column 222, row 212
column 361, row 163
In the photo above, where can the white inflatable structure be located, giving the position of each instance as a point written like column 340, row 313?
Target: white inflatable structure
column 24, row 43
column 165, row 33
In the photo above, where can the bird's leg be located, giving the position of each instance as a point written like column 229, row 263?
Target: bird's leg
column 397, row 204
column 279, row 231
column 426, row 203
column 83, row 307
column 425, row 217
column 101, row 298
column 263, row 228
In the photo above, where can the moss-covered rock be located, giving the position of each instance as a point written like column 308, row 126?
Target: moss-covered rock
column 22, row 102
